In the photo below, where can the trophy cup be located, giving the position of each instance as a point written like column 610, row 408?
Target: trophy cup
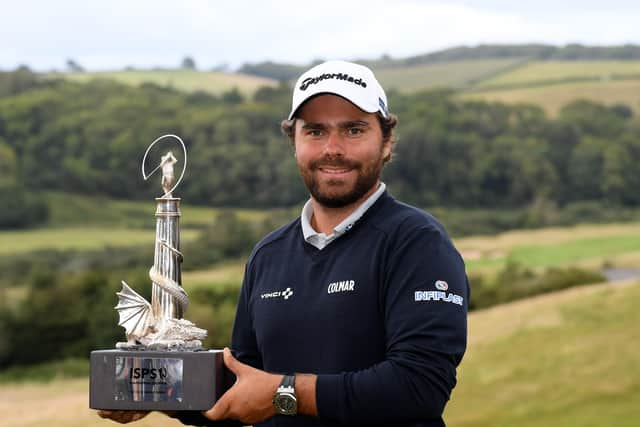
column 162, row 365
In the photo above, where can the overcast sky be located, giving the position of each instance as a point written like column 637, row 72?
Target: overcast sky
column 102, row 35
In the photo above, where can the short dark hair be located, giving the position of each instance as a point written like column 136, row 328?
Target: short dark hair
column 387, row 125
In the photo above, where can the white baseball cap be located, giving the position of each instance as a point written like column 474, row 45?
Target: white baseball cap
column 354, row 82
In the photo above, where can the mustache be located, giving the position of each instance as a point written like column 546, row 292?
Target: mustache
column 334, row 162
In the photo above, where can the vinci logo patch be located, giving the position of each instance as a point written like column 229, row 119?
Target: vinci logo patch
column 286, row 294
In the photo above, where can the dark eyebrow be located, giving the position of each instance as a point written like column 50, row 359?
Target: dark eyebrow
column 344, row 125
column 313, row 126
column 353, row 123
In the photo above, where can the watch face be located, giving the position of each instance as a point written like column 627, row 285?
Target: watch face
column 286, row 404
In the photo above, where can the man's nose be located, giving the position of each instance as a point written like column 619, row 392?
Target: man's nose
column 334, row 145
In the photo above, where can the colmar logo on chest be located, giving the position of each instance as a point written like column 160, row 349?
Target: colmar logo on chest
column 341, row 286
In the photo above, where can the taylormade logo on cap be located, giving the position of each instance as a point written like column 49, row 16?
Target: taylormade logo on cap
column 313, row 80
column 356, row 83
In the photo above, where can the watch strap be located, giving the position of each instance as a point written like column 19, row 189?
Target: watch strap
column 288, row 381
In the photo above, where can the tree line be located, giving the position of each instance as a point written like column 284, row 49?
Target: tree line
column 89, row 139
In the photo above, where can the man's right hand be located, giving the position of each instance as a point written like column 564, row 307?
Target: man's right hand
column 123, row 417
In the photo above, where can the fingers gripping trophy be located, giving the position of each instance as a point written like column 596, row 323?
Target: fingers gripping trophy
column 162, row 365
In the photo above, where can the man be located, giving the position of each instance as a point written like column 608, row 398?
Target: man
column 354, row 313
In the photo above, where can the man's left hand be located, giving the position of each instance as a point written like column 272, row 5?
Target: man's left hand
column 250, row 398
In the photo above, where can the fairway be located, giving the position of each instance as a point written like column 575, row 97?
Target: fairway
column 589, row 246
column 78, row 238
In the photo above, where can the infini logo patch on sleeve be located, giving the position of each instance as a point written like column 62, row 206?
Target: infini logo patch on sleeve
column 439, row 295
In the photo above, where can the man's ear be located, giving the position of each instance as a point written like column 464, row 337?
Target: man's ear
column 387, row 146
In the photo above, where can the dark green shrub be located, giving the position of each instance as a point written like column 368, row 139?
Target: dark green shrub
column 21, row 209
column 515, row 282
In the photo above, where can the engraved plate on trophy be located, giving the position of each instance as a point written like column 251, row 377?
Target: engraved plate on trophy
column 162, row 365
column 145, row 378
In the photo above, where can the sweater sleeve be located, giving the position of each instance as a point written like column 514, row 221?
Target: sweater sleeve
column 243, row 337
column 425, row 298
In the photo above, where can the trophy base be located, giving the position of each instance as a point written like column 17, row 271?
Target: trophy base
column 157, row 380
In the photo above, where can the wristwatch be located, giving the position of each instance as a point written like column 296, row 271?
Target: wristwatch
column 285, row 400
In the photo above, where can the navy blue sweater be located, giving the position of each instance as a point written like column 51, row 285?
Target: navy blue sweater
column 380, row 315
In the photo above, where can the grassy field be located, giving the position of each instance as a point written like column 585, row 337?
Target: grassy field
column 229, row 272
column 79, row 238
column 553, row 84
column 590, row 246
column 213, row 82
column 554, row 96
column 71, row 209
column 81, row 222
column 85, row 223
column 541, row 71
column 561, row 360
column 450, row 74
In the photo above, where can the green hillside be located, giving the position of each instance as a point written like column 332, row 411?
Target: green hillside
column 561, row 360
column 455, row 74
column 553, row 84
column 549, row 72
column 511, row 79
column 553, row 97
column 213, row 82
column 550, row 84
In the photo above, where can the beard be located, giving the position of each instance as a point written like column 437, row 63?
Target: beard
column 337, row 193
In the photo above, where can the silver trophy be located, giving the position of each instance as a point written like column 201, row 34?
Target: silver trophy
column 162, row 365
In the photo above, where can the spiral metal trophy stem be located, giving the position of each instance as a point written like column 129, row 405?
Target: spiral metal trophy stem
column 168, row 299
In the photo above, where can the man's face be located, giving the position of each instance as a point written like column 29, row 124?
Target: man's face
column 339, row 149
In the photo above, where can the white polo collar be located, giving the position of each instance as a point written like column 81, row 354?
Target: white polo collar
column 320, row 240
